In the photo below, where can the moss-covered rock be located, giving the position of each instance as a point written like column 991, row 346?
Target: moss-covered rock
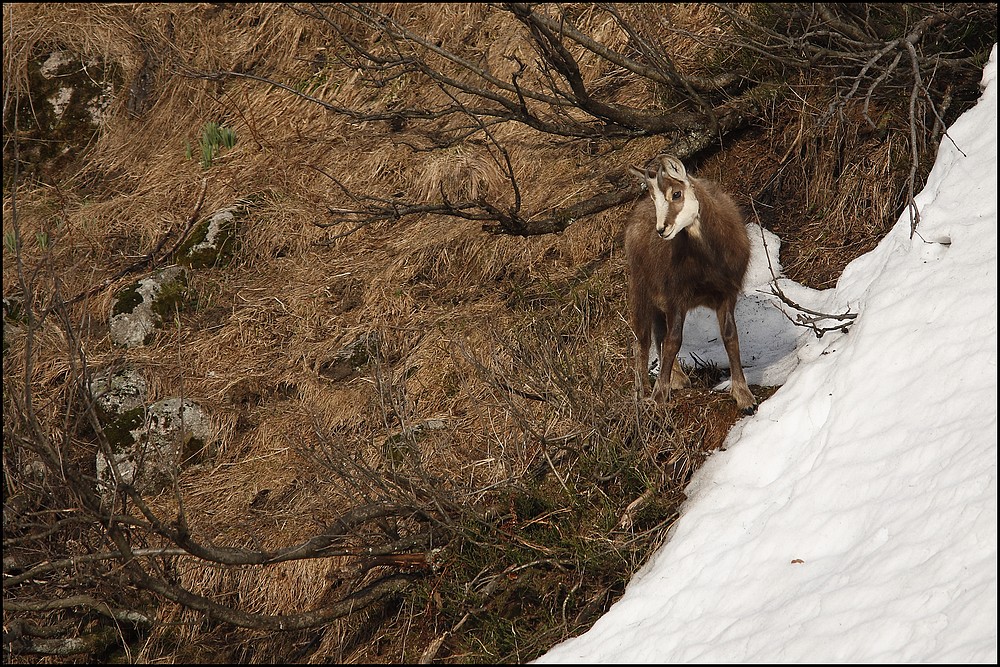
column 151, row 445
column 144, row 306
column 121, row 430
column 213, row 240
column 148, row 444
column 117, row 392
column 70, row 95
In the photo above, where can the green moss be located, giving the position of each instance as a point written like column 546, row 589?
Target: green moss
column 119, row 431
column 173, row 297
column 197, row 236
column 127, row 299
column 51, row 139
column 198, row 252
column 193, row 450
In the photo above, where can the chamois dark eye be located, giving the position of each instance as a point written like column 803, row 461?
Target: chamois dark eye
column 676, row 195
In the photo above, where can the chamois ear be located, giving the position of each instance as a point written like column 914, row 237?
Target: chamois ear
column 638, row 173
column 674, row 168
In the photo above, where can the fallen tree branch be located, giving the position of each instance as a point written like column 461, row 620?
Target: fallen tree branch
column 86, row 601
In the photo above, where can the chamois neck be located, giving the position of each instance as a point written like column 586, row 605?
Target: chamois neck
column 708, row 231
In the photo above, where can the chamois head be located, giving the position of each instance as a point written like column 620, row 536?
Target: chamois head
column 673, row 197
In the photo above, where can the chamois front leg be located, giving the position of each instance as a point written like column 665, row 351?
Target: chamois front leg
column 678, row 378
column 643, row 328
column 641, row 367
column 669, row 366
column 730, row 336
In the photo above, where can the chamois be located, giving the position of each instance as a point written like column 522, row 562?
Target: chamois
column 686, row 246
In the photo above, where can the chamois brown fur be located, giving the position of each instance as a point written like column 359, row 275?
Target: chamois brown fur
column 702, row 264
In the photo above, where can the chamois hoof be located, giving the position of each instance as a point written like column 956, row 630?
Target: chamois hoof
column 659, row 397
column 749, row 410
column 678, row 378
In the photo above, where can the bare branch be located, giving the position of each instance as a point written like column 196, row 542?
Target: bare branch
column 811, row 317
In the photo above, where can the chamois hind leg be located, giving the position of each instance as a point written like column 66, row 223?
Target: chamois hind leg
column 678, row 378
column 668, row 358
column 738, row 387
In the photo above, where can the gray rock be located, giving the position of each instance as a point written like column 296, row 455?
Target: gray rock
column 115, row 393
column 150, row 446
column 213, row 240
column 71, row 95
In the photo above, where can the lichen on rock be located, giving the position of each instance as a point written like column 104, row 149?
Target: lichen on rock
column 70, row 97
column 117, row 392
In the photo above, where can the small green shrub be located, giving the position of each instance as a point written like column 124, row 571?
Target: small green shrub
column 213, row 139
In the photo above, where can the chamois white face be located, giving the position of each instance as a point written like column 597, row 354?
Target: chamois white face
column 673, row 197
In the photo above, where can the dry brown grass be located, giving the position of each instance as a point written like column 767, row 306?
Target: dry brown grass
column 439, row 295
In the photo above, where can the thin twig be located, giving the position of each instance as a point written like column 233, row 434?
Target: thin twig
column 799, row 320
